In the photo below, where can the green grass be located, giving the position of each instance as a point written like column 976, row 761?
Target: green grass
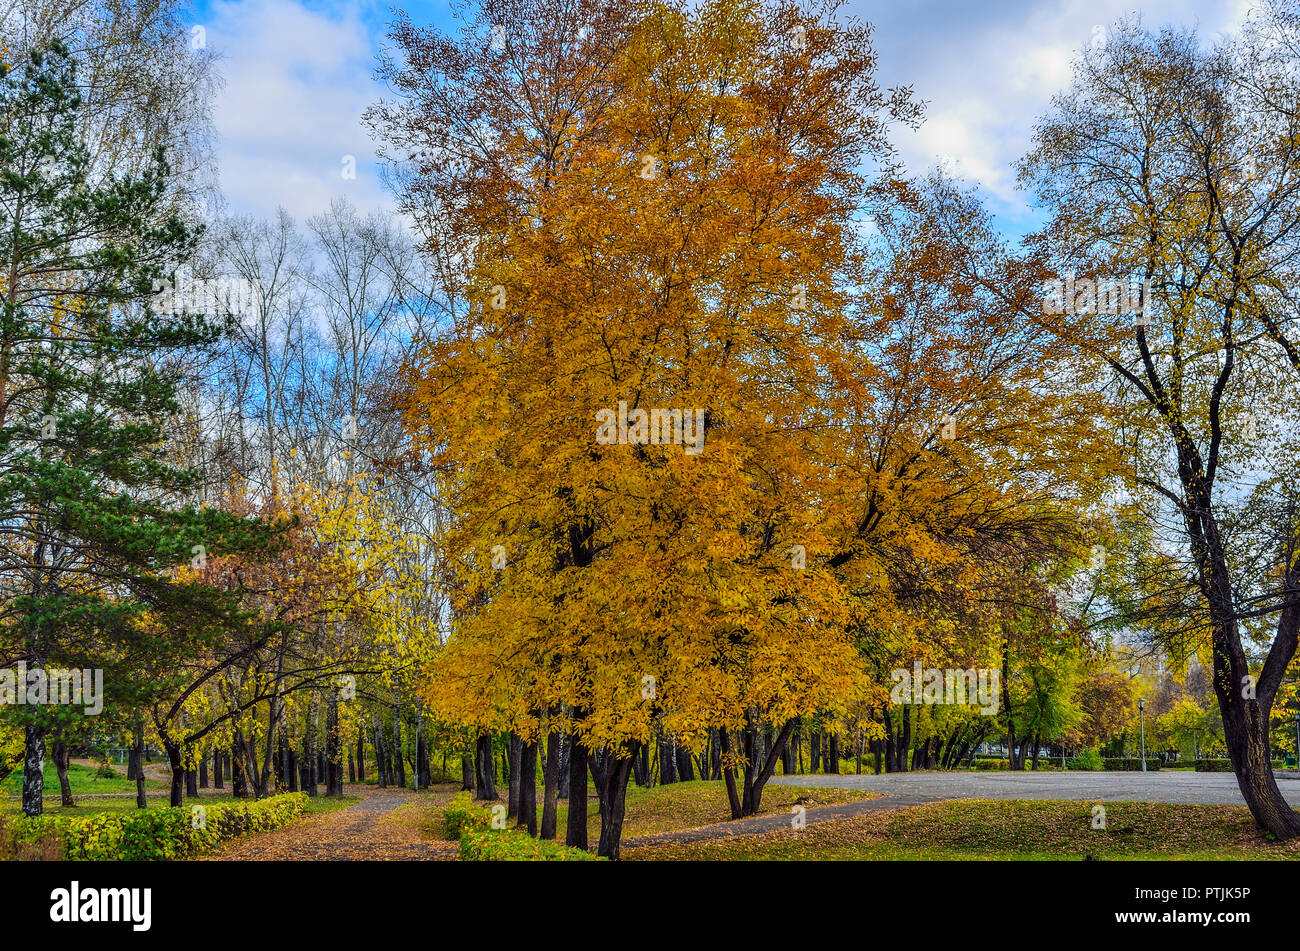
column 999, row 830
column 85, row 781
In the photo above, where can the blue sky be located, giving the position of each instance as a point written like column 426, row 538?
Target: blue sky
column 299, row 75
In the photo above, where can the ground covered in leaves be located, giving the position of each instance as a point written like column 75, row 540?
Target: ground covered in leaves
column 984, row 829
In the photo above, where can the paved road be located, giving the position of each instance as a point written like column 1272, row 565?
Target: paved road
column 1178, row 786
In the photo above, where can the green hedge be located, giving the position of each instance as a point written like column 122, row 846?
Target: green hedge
column 1213, row 765
column 150, row 834
column 463, row 814
column 1129, row 764
column 1001, row 765
column 510, row 846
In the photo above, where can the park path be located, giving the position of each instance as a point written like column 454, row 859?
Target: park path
column 367, row 830
column 777, row 820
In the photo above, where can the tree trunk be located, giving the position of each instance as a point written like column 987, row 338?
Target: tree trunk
column 238, row 778
column 612, row 770
column 34, row 770
column 178, row 772
column 551, row 782
column 137, row 762
column 191, row 783
column 466, row 772
column 60, row 753
column 333, row 747
column 528, row 787
column 514, row 749
column 575, row 833
column 667, row 765
column 485, row 786
column 218, row 771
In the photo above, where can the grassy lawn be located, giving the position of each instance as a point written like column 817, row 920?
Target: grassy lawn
column 84, row 779
column 680, row 806
column 1000, row 830
column 108, row 796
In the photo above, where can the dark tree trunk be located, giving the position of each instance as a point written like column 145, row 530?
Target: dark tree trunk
column 551, row 782
column 833, row 754
column 191, row 783
column 685, row 768
column 137, row 763
column 352, row 766
column 814, row 751
column 485, row 786
column 238, row 777
column 178, row 772
column 60, row 753
column 361, row 755
column 528, row 786
column 667, row 763
column 575, row 833
column 642, row 775
column 218, row 770
column 466, row 772
column 612, row 770
column 203, row 772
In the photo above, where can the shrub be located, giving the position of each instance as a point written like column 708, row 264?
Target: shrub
column 17, row 848
column 511, row 846
column 152, row 834
column 1088, row 759
column 1129, row 764
column 106, row 770
column 1214, row 765
column 463, row 814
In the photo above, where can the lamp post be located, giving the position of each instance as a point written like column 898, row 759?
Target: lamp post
column 1142, row 730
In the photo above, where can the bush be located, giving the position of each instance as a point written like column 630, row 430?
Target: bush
column 1213, row 765
column 511, row 846
column 463, row 814
column 1129, row 764
column 106, row 770
column 985, row 764
column 150, row 834
column 1088, row 759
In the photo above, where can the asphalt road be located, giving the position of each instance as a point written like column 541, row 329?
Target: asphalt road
column 1180, row 786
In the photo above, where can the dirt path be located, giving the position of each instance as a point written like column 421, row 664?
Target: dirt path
column 369, row 830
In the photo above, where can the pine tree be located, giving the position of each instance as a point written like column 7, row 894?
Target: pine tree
column 94, row 516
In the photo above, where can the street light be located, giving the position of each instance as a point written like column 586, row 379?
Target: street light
column 1142, row 730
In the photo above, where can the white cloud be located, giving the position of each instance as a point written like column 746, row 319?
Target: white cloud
column 989, row 70
column 297, row 83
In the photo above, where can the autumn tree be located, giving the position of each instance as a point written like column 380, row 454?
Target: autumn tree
column 1172, row 166
column 663, row 220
